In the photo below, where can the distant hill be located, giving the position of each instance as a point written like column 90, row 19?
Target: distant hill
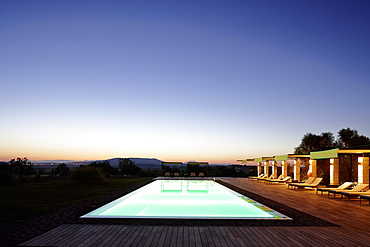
column 53, row 161
column 143, row 163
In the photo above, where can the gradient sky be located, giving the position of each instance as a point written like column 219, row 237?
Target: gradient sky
column 197, row 80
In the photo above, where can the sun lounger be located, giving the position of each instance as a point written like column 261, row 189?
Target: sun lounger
column 350, row 194
column 284, row 180
column 279, row 178
column 309, row 181
column 366, row 197
column 260, row 176
column 357, row 188
column 255, row 177
column 343, row 186
column 314, row 184
column 264, row 178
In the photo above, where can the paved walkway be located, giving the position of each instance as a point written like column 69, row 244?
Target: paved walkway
column 353, row 219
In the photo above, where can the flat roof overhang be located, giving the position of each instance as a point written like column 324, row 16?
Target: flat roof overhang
column 333, row 153
column 290, row 156
column 263, row 159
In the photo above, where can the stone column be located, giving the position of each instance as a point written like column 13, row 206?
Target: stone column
column 363, row 170
column 266, row 168
column 259, row 170
column 274, row 169
column 334, row 171
column 284, row 168
column 297, row 170
column 312, row 169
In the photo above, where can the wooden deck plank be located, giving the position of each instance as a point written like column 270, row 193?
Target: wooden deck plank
column 191, row 236
column 65, row 235
column 274, row 236
column 264, row 238
column 240, row 238
column 202, row 236
column 140, row 236
column 180, row 236
column 231, row 236
column 133, row 236
column 157, row 236
column 253, row 238
column 174, row 236
column 119, row 231
column 126, row 236
column 80, row 236
column 186, row 242
column 197, row 238
column 150, row 237
column 100, row 236
column 167, row 240
column 162, row 237
column 236, row 236
column 118, row 237
column 226, row 236
column 211, row 238
column 218, row 238
column 286, row 235
column 110, row 236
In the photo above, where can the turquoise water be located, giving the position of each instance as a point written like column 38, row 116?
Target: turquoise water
column 186, row 199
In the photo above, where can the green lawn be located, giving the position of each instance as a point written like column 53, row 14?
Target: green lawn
column 21, row 201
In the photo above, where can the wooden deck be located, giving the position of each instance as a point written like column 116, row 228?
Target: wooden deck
column 353, row 219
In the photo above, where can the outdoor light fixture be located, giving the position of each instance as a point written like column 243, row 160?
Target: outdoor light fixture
column 360, row 159
column 331, row 161
column 295, row 162
column 310, row 162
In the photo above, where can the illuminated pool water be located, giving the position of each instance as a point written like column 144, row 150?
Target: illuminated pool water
column 185, row 199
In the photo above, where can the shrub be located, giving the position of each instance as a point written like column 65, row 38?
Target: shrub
column 88, row 175
column 37, row 178
column 6, row 178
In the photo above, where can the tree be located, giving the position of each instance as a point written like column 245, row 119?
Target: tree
column 105, row 167
column 61, row 170
column 127, row 167
column 311, row 142
column 348, row 138
column 21, row 166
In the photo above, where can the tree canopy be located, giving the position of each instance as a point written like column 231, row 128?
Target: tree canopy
column 346, row 138
column 128, row 168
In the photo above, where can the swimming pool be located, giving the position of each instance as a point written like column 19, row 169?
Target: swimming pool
column 185, row 199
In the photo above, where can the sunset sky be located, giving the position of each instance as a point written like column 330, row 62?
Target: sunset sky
column 198, row 80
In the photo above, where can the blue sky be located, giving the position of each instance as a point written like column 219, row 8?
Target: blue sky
column 209, row 81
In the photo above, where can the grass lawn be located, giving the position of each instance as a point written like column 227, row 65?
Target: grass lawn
column 21, row 201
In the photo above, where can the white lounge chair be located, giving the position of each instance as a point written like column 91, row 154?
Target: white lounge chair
column 308, row 181
column 265, row 177
column 279, row 178
column 314, row 184
column 284, row 180
column 357, row 188
column 259, row 176
column 350, row 194
column 343, row 186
